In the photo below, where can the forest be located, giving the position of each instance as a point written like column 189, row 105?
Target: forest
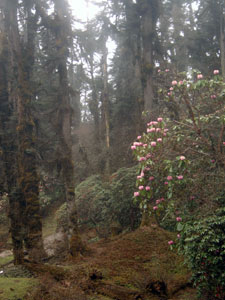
column 112, row 150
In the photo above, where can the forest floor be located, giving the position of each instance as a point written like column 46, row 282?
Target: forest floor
column 132, row 266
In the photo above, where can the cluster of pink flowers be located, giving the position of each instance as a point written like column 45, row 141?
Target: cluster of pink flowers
column 213, row 96
column 215, row 72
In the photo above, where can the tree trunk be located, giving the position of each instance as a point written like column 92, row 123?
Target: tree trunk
column 149, row 12
column 27, row 179
column 105, row 103
column 64, row 126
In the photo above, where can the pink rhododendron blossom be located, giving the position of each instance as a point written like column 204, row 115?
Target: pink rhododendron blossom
column 148, row 156
column 169, row 178
column 151, row 178
column 158, row 129
column 213, row 161
column 142, row 159
column 166, row 130
column 171, row 88
column 145, row 145
column 215, row 72
column 154, row 122
column 213, row 96
column 159, row 70
column 139, row 177
column 159, row 119
column 136, row 194
column 162, row 199
column 182, row 157
column 199, row 76
column 169, row 94
column 164, row 134
column 147, row 188
column 155, row 207
column 192, row 197
column 139, row 137
column 142, row 174
column 178, row 219
column 174, row 82
column 158, row 201
column 171, row 242
column 166, row 182
column 152, row 129
column 133, row 147
column 181, row 82
column 224, row 143
column 178, row 236
column 147, row 169
column 180, row 177
column 141, row 187
column 167, row 70
column 153, row 144
column 159, row 140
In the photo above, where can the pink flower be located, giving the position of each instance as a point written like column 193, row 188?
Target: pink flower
column 152, row 129
column 171, row 242
column 224, row 143
column 166, row 182
column 166, row 129
column 153, row 144
column 142, row 159
column 159, row 119
column 159, row 70
column 133, row 147
column 216, row 72
column 192, row 197
column 178, row 236
column 147, row 169
column 145, row 145
column 174, row 82
column 141, row 187
column 167, row 70
column 136, row 194
column 171, row 88
column 158, row 201
column 178, row 219
column 213, row 161
column 213, row 96
column 180, row 177
column 181, row 82
column 147, row 188
column 148, row 156
column 164, row 134
column 169, row 94
column 158, row 129
column 155, row 207
column 169, row 178
column 182, row 157
column 159, row 140
column 162, row 199
column 199, row 76
column 154, row 122
column 151, row 178
column 139, row 137
column 139, row 177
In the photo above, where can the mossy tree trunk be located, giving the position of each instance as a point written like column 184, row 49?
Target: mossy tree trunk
column 149, row 13
column 64, row 126
column 22, row 56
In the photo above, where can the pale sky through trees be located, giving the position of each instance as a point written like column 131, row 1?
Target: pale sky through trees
column 83, row 9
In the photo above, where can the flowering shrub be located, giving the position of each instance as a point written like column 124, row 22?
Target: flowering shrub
column 163, row 176
column 182, row 175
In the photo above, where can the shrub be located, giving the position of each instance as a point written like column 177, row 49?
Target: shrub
column 203, row 246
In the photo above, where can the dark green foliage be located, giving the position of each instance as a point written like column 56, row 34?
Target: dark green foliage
column 103, row 204
column 203, row 246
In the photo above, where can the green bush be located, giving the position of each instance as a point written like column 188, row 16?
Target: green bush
column 103, row 205
column 203, row 246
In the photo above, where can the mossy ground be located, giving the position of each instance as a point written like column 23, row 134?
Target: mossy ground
column 15, row 288
column 136, row 265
